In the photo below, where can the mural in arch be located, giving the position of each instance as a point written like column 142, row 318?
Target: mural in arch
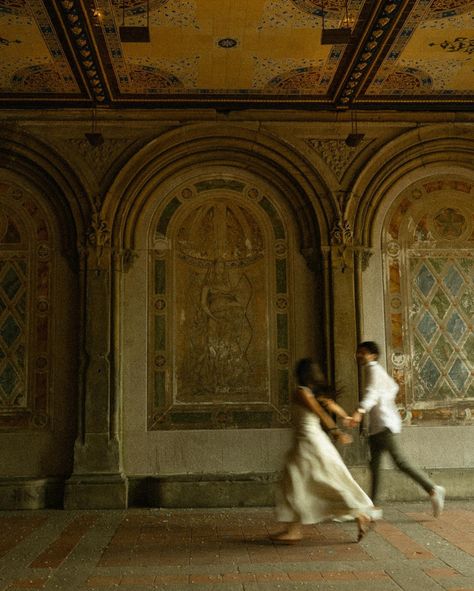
column 219, row 310
column 26, row 268
column 428, row 246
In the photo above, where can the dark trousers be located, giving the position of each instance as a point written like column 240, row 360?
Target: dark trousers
column 386, row 441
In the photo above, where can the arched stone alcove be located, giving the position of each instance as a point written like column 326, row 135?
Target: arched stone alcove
column 224, row 290
column 415, row 294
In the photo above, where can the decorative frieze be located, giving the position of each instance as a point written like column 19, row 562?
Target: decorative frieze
column 335, row 153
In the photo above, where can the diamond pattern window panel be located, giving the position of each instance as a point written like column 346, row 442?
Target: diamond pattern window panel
column 219, row 306
column 429, row 270
column 25, row 323
column 441, row 295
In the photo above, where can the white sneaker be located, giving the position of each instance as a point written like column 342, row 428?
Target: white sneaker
column 437, row 500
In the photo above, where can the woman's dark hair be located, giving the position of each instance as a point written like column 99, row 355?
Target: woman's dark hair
column 304, row 371
column 370, row 347
column 308, row 372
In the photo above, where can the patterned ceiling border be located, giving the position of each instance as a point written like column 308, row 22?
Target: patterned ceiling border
column 399, row 37
column 74, row 23
column 382, row 25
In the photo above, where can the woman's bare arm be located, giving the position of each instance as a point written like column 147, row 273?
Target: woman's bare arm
column 306, row 398
column 333, row 407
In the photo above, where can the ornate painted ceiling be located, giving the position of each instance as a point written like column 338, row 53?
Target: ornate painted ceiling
column 401, row 54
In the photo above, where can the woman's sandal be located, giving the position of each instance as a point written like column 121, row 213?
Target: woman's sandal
column 363, row 526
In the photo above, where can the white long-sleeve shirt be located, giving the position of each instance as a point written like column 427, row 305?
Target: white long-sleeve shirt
column 379, row 400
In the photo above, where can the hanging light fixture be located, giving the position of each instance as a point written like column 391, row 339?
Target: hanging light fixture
column 354, row 138
column 338, row 35
column 135, row 33
column 94, row 137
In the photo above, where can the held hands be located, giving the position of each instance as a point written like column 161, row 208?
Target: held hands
column 353, row 421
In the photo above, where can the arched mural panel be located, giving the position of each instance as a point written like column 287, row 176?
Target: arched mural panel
column 26, row 270
column 428, row 246
column 219, row 306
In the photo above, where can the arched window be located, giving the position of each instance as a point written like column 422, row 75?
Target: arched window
column 25, row 321
column 429, row 271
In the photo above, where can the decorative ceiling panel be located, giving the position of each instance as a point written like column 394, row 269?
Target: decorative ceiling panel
column 34, row 64
column 228, row 53
column 430, row 57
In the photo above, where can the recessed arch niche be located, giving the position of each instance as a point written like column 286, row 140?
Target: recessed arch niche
column 27, row 265
column 218, row 304
column 428, row 261
column 220, row 308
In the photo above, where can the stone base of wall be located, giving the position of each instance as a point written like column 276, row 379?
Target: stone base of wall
column 258, row 490
column 206, row 491
column 17, row 494
column 209, row 490
column 96, row 491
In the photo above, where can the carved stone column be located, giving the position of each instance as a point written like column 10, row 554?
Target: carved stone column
column 98, row 481
column 344, row 313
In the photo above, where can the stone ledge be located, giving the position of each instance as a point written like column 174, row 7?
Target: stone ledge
column 19, row 493
column 258, row 489
column 96, row 491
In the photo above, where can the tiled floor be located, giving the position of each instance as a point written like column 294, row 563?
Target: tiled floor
column 229, row 550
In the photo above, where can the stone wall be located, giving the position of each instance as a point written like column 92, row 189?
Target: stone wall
column 196, row 258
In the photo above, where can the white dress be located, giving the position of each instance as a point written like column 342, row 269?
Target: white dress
column 316, row 484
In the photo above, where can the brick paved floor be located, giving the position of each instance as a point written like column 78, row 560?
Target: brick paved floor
column 229, row 550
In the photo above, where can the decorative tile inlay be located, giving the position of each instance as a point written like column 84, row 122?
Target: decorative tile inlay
column 210, row 348
column 25, row 318
column 432, row 272
column 420, row 61
column 336, row 153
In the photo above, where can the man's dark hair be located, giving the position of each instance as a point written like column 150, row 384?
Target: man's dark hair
column 370, row 347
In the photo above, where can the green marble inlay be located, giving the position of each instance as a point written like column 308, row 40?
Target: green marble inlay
column 160, row 276
column 440, row 304
column 160, row 333
column 469, row 347
column 281, row 275
column 282, row 331
column 191, row 417
column 219, row 184
column 167, row 215
column 418, row 351
column 466, row 264
column 11, row 283
column 10, row 331
column 283, row 388
column 252, row 419
column 8, row 381
column 444, row 392
column 467, row 302
column 160, row 380
column 443, row 350
column 274, row 217
column 437, row 264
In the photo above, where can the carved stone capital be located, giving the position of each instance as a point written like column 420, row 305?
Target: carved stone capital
column 341, row 233
column 98, row 240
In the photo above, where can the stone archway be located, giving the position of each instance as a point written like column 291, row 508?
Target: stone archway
column 218, row 304
column 427, row 243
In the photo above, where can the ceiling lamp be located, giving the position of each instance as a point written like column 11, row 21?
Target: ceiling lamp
column 135, row 33
column 340, row 34
column 354, row 138
column 94, row 137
